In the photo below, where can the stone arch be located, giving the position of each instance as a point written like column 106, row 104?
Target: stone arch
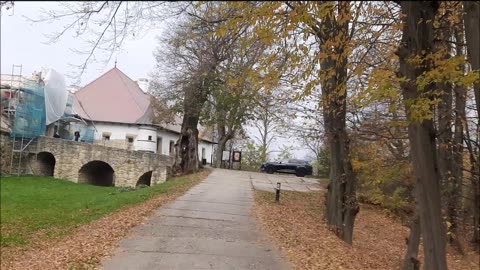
column 44, row 164
column 98, row 173
column 145, row 179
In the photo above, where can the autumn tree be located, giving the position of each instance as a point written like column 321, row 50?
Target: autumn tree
column 417, row 43
column 201, row 67
column 472, row 36
column 232, row 100
column 267, row 119
column 274, row 23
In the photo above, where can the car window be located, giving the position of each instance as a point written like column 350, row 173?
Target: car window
column 298, row 161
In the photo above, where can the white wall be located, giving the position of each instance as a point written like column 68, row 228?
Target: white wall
column 142, row 141
column 166, row 138
column 120, row 131
column 208, row 151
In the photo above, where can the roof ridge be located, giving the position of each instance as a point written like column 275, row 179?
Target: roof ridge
column 129, row 92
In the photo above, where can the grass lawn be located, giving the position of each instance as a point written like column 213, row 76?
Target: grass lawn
column 33, row 207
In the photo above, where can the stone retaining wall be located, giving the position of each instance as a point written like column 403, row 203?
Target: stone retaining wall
column 128, row 166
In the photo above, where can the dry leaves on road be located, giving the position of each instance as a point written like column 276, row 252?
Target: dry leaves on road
column 84, row 248
column 297, row 227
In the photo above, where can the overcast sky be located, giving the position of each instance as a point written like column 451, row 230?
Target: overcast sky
column 23, row 43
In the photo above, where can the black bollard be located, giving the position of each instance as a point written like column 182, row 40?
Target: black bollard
column 277, row 195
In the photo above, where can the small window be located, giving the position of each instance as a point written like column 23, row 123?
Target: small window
column 172, row 147
column 106, row 136
column 149, row 138
column 130, row 140
column 159, row 145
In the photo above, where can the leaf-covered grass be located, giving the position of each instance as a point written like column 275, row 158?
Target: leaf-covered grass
column 297, row 226
column 47, row 207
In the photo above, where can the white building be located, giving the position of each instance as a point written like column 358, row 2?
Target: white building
column 119, row 112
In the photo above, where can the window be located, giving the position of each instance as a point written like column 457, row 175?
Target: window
column 203, row 153
column 159, row 145
column 130, row 139
column 106, row 136
column 149, row 138
column 172, row 147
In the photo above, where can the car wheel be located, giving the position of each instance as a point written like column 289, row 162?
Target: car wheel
column 270, row 170
column 300, row 173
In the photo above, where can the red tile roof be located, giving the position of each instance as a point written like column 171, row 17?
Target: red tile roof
column 113, row 97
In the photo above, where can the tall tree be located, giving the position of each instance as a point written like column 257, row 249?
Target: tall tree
column 200, row 56
column 341, row 202
column 266, row 120
column 288, row 28
column 232, row 99
column 417, row 42
column 472, row 36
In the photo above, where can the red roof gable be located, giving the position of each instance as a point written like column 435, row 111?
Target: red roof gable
column 113, row 97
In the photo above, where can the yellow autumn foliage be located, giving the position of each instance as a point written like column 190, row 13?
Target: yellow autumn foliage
column 382, row 179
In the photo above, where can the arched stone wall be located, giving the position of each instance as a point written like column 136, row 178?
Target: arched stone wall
column 98, row 173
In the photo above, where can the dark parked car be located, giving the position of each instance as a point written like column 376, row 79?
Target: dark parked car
column 298, row 167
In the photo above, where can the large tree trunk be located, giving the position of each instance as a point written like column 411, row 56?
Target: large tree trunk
column 417, row 41
column 455, row 183
column 222, row 142
column 221, row 137
column 472, row 36
column 219, row 153
column 475, row 185
column 186, row 154
column 342, row 206
column 444, row 130
column 410, row 262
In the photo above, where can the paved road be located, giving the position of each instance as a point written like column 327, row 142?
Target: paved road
column 210, row 227
column 290, row 182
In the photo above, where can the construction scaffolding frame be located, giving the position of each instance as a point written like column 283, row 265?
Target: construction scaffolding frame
column 15, row 82
column 26, row 110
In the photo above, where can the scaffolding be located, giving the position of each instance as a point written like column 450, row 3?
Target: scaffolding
column 15, row 83
column 28, row 121
column 26, row 111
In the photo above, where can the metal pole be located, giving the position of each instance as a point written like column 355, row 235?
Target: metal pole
column 13, row 151
column 277, row 192
column 20, row 158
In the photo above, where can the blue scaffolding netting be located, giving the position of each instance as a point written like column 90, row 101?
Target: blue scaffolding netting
column 86, row 133
column 30, row 115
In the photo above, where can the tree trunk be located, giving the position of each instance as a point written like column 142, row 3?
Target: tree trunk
column 444, row 130
column 410, row 261
column 342, row 206
column 186, row 154
column 219, row 153
column 472, row 36
column 455, row 189
column 417, row 40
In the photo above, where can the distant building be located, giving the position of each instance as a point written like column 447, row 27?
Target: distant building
column 119, row 111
